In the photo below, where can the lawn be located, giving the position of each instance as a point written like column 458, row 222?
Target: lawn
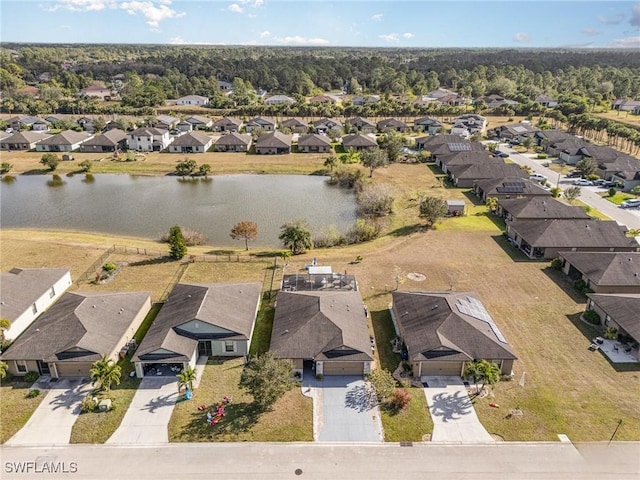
column 618, row 198
column 16, row 407
column 290, row 420
column 411, row 424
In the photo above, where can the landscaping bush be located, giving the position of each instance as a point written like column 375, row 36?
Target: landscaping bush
column 319, row 376
column 612, row 192
column 331, row 237
column 542, row 156
column 109, row 267
column 399, row 400
column 191, row 237
column 89, row 404
column 375, row 200
column 610, row 333
column 556, row 264
column 33, row 393
column 581, row 286
column 592, row 317
column 364, row 231
column 593, row 177
column 31, row 377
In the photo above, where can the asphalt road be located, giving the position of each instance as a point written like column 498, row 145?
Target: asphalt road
column 589, row 195
column 239, row 461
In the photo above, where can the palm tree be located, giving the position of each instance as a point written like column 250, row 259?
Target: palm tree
column 186, row 378
column 472, row 370
column 296, row 237
column 489, row 373
column 104, row 373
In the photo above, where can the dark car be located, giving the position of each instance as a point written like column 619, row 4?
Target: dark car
column 501, row 154
column 574, row 174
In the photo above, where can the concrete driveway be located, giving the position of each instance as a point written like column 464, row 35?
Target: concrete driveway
column 52, row 421
column 345, row 411
column 148, row 415
column 454, row 418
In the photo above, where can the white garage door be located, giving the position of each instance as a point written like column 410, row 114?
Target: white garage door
column 73, row 369
column 439, row 368
column 343, row 368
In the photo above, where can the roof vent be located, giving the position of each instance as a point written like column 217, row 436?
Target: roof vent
column 93, row 306
column 285, row 332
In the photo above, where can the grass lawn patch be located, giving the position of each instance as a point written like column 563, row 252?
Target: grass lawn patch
column 592, row 212
column 262, row 331
column 618, row 198
column 411, row 424
column 290, row 420
column 16, row 407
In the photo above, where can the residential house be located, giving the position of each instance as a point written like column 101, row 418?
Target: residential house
column 392, row 125
column 67, row 141
column 193, row 100
column 273, row 143
column 114, row 124
column 314, row 143
column 199, row 122
column 439, row 93
column 279, row 100
column 359, row 142
column 628, row 177
column 148, row 139
column 78, row 330
column 26, row 140
column 266, row 124
column 295, row 125
column 619, row 311
column 192, row 142
column 496, row 101
column 360, row 125
column 166, row 122
column 517, row 131
column 362, row 100
column 86, row 123
column 227, row 124
column 427, row 125
column 224, row 86
column 546, row 137
column 184, row 126
column 441, row 150
column 509, row 188
column 623, row 104
column 465, row 176
column 546, row 100
column 27, row 292
column 21, row 121
column 444, row 161
column 604, row 272
column 431, row 141
column 325, row 98
column 203, row 319
column 624, row 169
column 601, row 155
column 468, row 124
column 544, row 239
column 323, row 125
column 324, row 331
column 567, row 150
column 99, row 92
column 453, row 100
column 541, row 207
column 443, row 331
column 111, row 141
column 233, row 142
column 40, row 126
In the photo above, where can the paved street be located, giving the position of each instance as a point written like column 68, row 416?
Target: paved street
column 240, row 461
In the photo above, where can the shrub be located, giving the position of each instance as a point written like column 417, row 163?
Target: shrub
column 31, row 377
column 89, row 404
column 612, row 192
column 555, row 192
column 191, row 237
column 375, row 200
column 85, row 165
column 347, row 178
column 109, row 267
column 399, row 400
column 33, row 393
column 364, row 231
column 593, row 177
column 319, row 376
column 592, row 317
column 331, row 237
column 556, row 264
column 610, row 333
column 581, row 286
column 5, row 167
column 542, row 156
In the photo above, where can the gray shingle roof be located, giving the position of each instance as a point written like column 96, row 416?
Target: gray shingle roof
column 487, row 170
column 25, row 137
column 314, row 139
column 515, row 186
column 260, row 121
column 467, row 158
column 93, row 323
column 110, row 138
column 192, row 139
column 68, row 137
column 23, row 286
column 433, row 327
column 294, row 122
column 391, row 122
column 320, row 325
column 540, row 208
column 146, row 132
column 358, row 140
column 607, row 268
column 226, row 121
column 274, row 140
column 360, row 121
column 567, row 233
column 623, row 309
column 234, row 139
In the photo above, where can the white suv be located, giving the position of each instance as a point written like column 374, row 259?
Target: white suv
column 537, row 177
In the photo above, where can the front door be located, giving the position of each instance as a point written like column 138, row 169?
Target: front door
column 43, row 368
column 204, row 348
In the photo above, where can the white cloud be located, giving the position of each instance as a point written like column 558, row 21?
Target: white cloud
column 298, row 40
column 265, row 34
column 391, row 37
column 408, row 35
column 154, row 13
column 590, row 32
column 629, row 42
column 252, row 3
column 521, row 37
column 377, row 17
column 635, row 16
column 235, row 8
column 615, row 20
column 82, row 5
column 178, row 40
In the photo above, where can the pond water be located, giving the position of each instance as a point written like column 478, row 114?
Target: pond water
column 147, row 206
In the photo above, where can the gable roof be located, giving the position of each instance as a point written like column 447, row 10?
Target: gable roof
column 568, row 233
column 445, row 325
column 391, row 122
column 553, row 135
column 622, row 308
column 329, row 122
column 166, row 119
column 23, row 286
column 321, row 325
column 93, row 323
column 294, row 122
column 198, row 120
column 607, row 268
column 147, row 132
column 260, row 121
column 24, row 137
column 360, row 121
column 456, row 146
column 110, row 138
column 600, row 154
column 234, row 139
column 227, row 121
column 199, row 98
column 358, row 140
column 68, row 137
column 541, row 208
column 468, row 157
column 516, row 186
column 433, row 140
column 427, row 121
column 274, row 140
column 192, row 139
column 231, row 306
column 314, row 139
column 487, row 170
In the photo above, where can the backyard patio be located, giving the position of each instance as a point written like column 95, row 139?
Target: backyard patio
column 616, row 351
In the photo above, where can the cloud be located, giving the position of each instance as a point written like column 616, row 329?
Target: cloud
column 628, row 42
column 408, row 35
column 298, row 40
column 521, row 37
column 265, row 34
column 590, row 32
column 235, row 8
column 377, row 17
column 154, row 13
column 252, row 3
column 635, row 16
column 391, row 37
column 178, row 40
column 82, row 5
column 615, row 20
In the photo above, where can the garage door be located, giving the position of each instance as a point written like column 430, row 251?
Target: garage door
column 77, row 369
column 441, row 368
column 343, row 368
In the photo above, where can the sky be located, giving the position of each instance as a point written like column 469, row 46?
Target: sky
column 357, row 23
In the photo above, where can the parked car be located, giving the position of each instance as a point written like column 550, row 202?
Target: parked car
column 501, row 154
column 538, row 177
column 599, row 182
column 514, row 142
column 574, row 174
column 631, row 203
column 609, row 184
column 583, row 182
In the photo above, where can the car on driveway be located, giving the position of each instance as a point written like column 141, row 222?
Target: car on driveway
column 574, row 174
column 537, row 177
column 583, row 182
column 631, row 203
column 501, row 154
column 609, row 184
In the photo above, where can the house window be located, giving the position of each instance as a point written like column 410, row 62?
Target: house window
column 607, row 319
column 21, row 366
column 52, row 292
column 34, row 308
column 229, row 346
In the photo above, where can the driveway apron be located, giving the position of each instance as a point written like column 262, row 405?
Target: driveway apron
column 454, row 418
column 52, row 421
column 148, row 416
